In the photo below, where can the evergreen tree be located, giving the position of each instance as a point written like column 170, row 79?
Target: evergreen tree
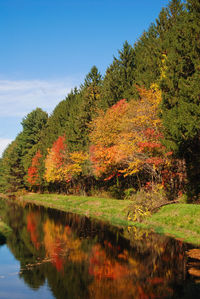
column 32, row 125
column 57, row 122
column 18, row 155
column 82, row 111
column 2, row 176
column 119, row 79
column 92, row 79
column 12, row 169
column 147, row 58
column 180, row 88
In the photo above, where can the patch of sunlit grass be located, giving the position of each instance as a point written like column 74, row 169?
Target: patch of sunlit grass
column 179, row 220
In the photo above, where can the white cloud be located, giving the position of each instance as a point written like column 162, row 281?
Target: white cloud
column 4, row 142
column 19, row 97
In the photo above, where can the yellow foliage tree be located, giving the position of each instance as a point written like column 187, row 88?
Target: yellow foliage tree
column 126, row 138
column 105, row 135
column 142, row 132
column 60, row 164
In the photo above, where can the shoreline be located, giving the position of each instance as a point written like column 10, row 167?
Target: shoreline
column 112, row 211
column 179, row 221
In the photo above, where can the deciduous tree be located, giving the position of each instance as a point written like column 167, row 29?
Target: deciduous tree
column 61, row 165
column 34, row 171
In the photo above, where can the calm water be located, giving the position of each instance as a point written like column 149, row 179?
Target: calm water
column 51, row 254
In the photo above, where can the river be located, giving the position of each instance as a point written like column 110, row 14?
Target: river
column 53, row 254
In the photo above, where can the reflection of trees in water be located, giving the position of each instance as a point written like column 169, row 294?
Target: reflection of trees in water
column 34, row 278
column 163, row 257
column 87, row 259
column 61, row 244
column 3, row 211
column 2, row 239
column 33, row 220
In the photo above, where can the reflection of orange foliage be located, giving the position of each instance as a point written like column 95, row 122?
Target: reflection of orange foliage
column 141, row 294
column 123, row 289
column 102, row 267
column 32, row 228
column 112, row 279
column 126, row 276
column 59, row 242
column 156, row 280
column 194, row 253
column 194, row 272
column 56, row 258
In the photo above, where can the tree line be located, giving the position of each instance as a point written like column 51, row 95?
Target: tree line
column 135, row 127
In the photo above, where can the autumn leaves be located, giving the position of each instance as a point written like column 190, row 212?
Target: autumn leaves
column 124, row 140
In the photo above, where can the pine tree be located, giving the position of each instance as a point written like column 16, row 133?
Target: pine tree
column 147, row 58
column 180, row 89
column 119, row 79
column 13, row 171
column 57, row 122
column 30, row 137
column 82, row 111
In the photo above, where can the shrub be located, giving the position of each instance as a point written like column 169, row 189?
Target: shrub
column 145, row 202
column 115, row 192
column 129, row 193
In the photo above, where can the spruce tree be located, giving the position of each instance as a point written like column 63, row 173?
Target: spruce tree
column 83, row 110
column 32, row 125
column 12, row 168
column 119, row 78
column 180, row 89
column 147, row 58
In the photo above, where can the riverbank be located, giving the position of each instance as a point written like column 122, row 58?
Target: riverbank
column 113, row 211
column 182, row 221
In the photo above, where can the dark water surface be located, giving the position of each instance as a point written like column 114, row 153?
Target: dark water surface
column 52, row 254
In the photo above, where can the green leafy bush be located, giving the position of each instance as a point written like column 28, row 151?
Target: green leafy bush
column 115, row 192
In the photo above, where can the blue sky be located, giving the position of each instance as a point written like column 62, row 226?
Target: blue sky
column 48, row 46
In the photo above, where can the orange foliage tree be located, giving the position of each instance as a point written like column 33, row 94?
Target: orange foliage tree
column 106, row 130
column 127, row 137
column 60, row 164
column 142, row 135
column 34, row 171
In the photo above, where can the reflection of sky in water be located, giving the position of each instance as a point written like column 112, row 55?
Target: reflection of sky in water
column 11, row 286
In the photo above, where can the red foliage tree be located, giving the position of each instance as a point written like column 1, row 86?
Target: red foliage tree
column 34, row 170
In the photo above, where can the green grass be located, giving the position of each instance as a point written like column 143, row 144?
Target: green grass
column 181, row 221
column 111, row 210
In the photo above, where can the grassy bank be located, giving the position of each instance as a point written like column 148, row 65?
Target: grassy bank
column 110, row 210
column 181, row 221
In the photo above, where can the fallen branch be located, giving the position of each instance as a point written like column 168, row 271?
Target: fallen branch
column 164, row 204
